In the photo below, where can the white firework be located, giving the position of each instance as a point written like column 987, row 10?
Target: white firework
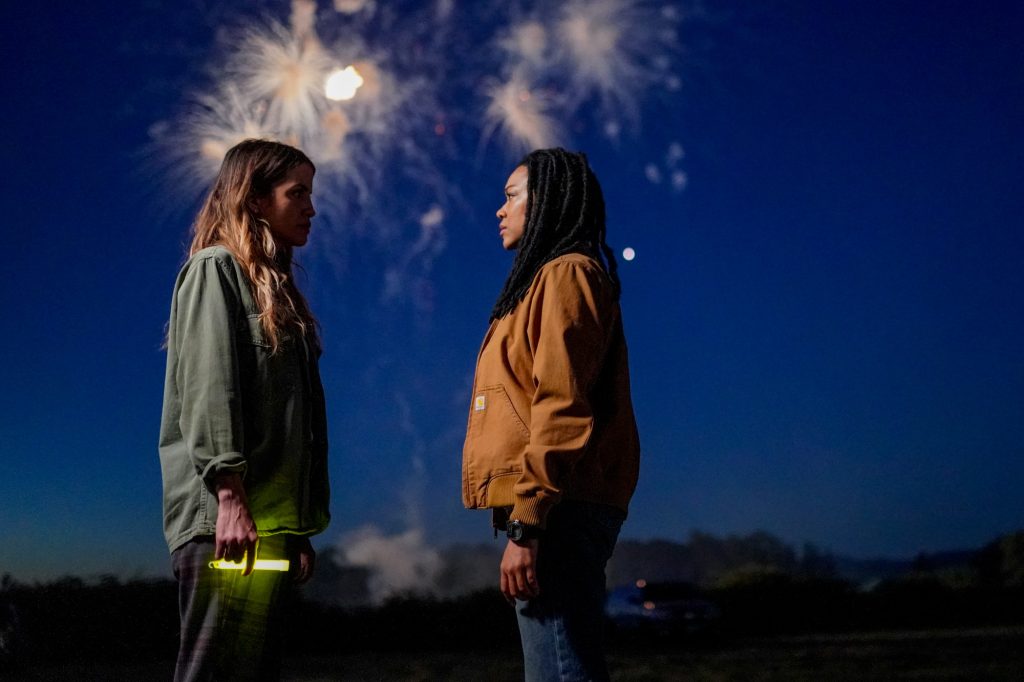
column 352, row 6
column 523, row 115
column 303, row 17
column 222, row 120
column 287, row 70
column 410, row 273
column 416, row 68
column 675, row 154
column 194, row 146
column 614, row 49
column 527, row 43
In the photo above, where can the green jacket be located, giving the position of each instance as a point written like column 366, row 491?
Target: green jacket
column 232, row 406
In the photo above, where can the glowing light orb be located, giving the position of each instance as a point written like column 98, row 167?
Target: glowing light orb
column 628, row 253
column 342, row 84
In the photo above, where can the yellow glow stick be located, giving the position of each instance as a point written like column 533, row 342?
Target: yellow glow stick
column 261, row 565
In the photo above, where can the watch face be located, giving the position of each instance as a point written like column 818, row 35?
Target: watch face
column 514, row 531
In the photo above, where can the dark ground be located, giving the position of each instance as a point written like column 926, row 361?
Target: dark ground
column 976, row 654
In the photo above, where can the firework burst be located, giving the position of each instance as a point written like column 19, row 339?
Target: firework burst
column 285, row 71
column 612, row 51
column 523, row 115
column 412, row 78
column 615, row 50
column 527, row 43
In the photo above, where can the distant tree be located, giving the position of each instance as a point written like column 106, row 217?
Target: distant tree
column 752, row 576
column 1000, row 563
column 1012, row 568
column 922, row 564
column 817, row 564
column 704, row 559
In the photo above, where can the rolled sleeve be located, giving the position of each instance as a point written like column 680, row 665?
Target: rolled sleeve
column 207, row 373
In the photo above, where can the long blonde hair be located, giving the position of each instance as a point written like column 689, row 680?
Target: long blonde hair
column 250, row 171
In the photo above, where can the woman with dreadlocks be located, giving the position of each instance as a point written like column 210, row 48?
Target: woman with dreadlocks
column 551, row 445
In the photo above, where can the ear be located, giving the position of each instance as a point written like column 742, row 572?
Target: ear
column 256, row 206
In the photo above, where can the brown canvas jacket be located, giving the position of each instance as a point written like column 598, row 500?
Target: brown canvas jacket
column 551, row 415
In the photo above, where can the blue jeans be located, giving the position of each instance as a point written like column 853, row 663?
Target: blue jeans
column 562, row 629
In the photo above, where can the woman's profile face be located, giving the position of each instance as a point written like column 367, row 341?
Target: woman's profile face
column 289, row 207
column 512, row 213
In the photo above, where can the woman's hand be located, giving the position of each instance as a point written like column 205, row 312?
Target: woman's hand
column 519, row 570
column 307, row 561
column 236, row 531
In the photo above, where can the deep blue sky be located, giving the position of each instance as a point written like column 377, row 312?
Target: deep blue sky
column 826, row 327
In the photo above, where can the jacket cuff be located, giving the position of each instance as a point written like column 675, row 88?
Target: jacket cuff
column 533, row 511
column 227, row 463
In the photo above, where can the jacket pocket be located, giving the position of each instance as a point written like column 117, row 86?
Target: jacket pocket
column 268, row 378
column 253, row 332
column 497, row 437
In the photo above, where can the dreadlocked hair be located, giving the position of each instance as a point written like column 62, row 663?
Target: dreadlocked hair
column 564, row 214
column 249, row 171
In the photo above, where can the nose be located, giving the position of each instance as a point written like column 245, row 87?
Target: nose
column 501, row 212
column 310, row 211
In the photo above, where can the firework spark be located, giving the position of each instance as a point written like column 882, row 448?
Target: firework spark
column 401, row 277
column 287, row 70
column 352, row 6
column 614, row 49
column 423, row 79
column 524, row 116
column 549, row 63
column 527, row 43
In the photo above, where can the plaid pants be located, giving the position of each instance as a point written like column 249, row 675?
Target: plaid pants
column 230, row 624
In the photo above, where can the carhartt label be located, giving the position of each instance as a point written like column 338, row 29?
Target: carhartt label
column 480, row 403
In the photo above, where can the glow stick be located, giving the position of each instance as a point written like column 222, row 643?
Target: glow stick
column 261, row 565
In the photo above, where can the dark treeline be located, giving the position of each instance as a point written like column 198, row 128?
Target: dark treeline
column 759, row 585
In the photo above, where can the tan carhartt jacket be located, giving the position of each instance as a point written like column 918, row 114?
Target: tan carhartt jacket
column 551, row 415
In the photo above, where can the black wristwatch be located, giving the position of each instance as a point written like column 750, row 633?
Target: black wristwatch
column 517, row 531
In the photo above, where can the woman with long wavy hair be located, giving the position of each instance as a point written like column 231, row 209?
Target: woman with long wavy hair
column 551, row 445
column 243, row 439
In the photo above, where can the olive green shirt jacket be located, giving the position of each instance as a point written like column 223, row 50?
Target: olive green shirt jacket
column 231, row 405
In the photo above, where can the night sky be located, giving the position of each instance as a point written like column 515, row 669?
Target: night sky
column 825, row 326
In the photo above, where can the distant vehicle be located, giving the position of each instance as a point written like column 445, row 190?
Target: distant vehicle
column 670, row 608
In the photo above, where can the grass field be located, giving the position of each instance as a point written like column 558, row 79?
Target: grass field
column 986, row 654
